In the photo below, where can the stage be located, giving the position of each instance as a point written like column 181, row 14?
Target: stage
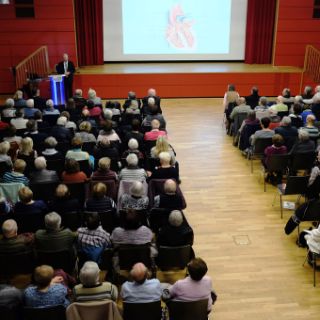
column 185, row 79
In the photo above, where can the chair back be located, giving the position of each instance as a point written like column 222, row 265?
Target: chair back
column 313, row 211
column 47, row 313
column 237, row 122
column 78, row 191
column 30, row 222
column 106, row 259
column 63, row 259
column 108, row 219
column 63, row 147
column 17, row 263
column 174, row 257
column 56, row 165
column 71, row 220
column 134, row 311
column 260, row 144
column 44, row 191
column 4, row 167
column 131, row 254
column 302, row 161
column 296, row 185
column 278, row 162
column 282, row 114
column 9, row 313
column 51, row 119
column 85, row 167
column 158, row 218
column 179, row 310
column 88, row 147
column 148, row 145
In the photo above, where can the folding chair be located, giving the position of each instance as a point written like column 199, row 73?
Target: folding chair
column 47, row 313
column 315, row 257
column 134, row 311
column 257, row 151
column 179, row 310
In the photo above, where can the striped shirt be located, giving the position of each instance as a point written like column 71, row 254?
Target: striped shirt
column 132, row 174
column 100, row 205
column 313, row 131
column 102, row 291
column 95, row 238
column 12, row 177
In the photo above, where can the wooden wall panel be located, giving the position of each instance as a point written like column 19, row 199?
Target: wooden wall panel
column 295, row 28
column 53, row 26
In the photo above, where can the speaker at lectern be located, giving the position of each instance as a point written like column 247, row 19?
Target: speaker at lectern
column 58, row 93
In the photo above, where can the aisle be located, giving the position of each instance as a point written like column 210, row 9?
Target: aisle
column 255, row 267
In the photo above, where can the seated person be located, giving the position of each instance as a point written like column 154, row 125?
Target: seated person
column 131, row 97
column 29, row 110
column 289, row 133
column 19, row 121
column 94, row 110
column 264, row 133
column 16, row 175
column 176, row 233
column 296, row 119
column 304, row 144
column 103, row 172
column 53, row 237
column 166, row 170
column 170, row 199
column 60, row 132
column 133, row 147
column 90, row 288
column 197, row 286
column 154, row 114
column 10, row 296
column 92, row 96
column 279, row 106
column 305, row 113
column 93, row 239
column 99, row 202
column 254, row 98
column 135, row 133
column 4, row 149
column 32, row 132
column 50, row 152
column 70, row 124
column 108, row 132
column 162, row 145
column 72, row 173
column 10, row 135
column 136, row 200
column 262, row 104
column 313, row 240
column 156, row 100
column 155, row 131
column 62, row 202
column 78, row 98
column 8, row 110
column 133, row 107
column 85, row 132
column 241, row 107
column 132, row 172
column 312, row 130
column 26, row 151
column 50, row 109
column 76, row 153
column 141, row 289
column 11, row 242
column 27, row 205
column 42, row 125
column 105, row 148
column 42, row 175
column 47, row 290
column 132, row 232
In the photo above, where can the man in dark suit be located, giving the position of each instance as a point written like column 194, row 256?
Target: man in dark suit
column 156, row 101
column 67, row 68
column 289, row 133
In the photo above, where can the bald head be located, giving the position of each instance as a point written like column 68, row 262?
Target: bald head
column 242, row 100
column 152, row 92
column 280, row 99
column 155, row 124
column 9, row 228
column 139, row 273
column 170, row 186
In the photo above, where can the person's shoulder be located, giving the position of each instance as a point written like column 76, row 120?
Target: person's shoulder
column 153, row 281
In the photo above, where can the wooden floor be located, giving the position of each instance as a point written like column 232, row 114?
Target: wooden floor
column 183, row 67
column 256, row 269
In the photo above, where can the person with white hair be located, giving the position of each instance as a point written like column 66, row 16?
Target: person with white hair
column 78, row 98
column 9, row 110
column 136, row 199
column 155, row 131
column 67, row 68
column 288, row 132
column 241, row 107
column 141, row 289
column 11, row 242
column 4, row 149
column 50, row 152
column 41, row 173
column 60, row 132
column 107, row 131
column 153, row 113
column 131, row 97
column 107, row 113
column 30, row 110
column 19, row 121
column 19, row 101
column 133, row 147
column 279, row 106
column 262, row 104
column 169, row 199
column 133, row 108
column 166, row 170
column 53, row 237
column 92, row 96
column 91, row 288
column 304, row 144
column 132, row 172
column 145, row 101
column 311, row 128
column 315, row 97
column 50, row 109
column 176, row 233
column 85, row 132
column 307, row 92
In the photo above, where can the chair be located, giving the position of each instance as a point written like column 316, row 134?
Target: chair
column 10, row 191
column 295, row 185
column 179, row 310
column 148, row 145
column 93, row 310
column 170, row 258
column 85, row 167
column 302, row 161
column 134, row 311
column 10, row 313
column 237, row 122
column 282, row 114
column 63, row 147
column 71, row 220
column 4, row 167
column 108, row 219
column 158, row 218
column 56, row 165
column 276, row 163
column 44, row 191
column 257, row 151
column 78, row 190
column 16, row 263
column 63, row 259
column 30, row 222
column 131, row 254
column 314, row 257
column 47, row 313
column 247, row 131
column 88, row 147
column 51, row 119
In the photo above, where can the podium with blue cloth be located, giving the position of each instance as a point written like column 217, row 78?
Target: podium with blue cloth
column 58, row 94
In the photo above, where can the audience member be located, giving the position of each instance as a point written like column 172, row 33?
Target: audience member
column 50, row 109
column 19, row 102
column 279, row 106
column 162, row 145
column 310, row 128
column 264, row 133
column 103, row 172
column 155, row 131
column 136, row 200
column 9, row 110
column 253, row 98
column 30, row 109
column 165, row 170
column 242, row 107
column 10, row 297
column 289, row 133
column 10, row 135
column 305, row 113
column 19, row 122
column 134, row 133
column 50, row 152
column 26, row 151
column 42, row 174
column 84, row 134
column 231, row 96
column 132, row 171
column 92, row 96
column 296, row 119
column 72, row 173
column 60, row 132
column 262, row 104
column 105, row 148
column 304, row 144
column 133, row 147
column 16, row 175
column 76, row 152
column 94, row 110
column 4, row 149
column 108, row 132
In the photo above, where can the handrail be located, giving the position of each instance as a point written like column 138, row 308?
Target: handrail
column 36, row 65
column 311, row 66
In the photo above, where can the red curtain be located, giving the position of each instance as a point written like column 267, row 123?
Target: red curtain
column 89, row 27
column 260, row 26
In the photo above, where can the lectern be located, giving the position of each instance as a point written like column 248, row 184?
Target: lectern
column 58, row 93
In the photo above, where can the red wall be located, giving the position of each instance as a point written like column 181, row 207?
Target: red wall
column 53, row 26
column 296, row 29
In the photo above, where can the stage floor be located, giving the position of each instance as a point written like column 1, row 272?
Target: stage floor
column 184, row 67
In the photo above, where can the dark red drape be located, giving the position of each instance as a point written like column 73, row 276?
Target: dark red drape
column 89, row 27
column 260, row 26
